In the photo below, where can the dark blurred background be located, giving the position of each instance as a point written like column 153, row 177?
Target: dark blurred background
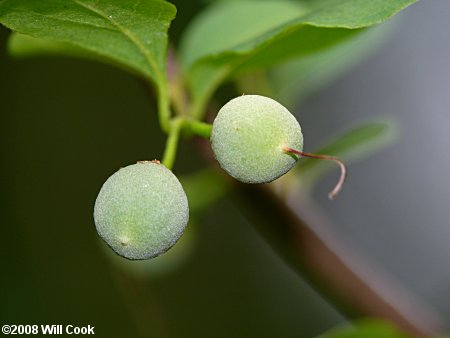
column 67, row 124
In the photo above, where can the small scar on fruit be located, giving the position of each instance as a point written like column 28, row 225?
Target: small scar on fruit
column 124, row 241
column 147, row 161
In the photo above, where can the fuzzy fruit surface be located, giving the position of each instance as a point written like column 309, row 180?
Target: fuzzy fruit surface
column 248, row 137
column 141, row 210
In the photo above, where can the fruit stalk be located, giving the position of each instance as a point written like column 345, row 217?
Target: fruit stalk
column 170, row 151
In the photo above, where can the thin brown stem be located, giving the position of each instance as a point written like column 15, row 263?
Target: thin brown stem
column 338, row 187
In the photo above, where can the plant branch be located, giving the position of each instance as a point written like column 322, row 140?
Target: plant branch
column 302, row 236
column 170, row 151
column 177, row 125
column 163, row 108
column 176, row 85
column 199, row 128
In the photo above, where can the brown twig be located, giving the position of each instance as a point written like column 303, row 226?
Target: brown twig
column 302, row 237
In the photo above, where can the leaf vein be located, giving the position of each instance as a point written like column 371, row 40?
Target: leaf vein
column 128, row 34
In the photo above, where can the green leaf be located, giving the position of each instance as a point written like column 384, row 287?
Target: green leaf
column 294, row 80
column 130, row 32
column 213, row 33
column 24, row 46
column 232, row 37
column 367, row 328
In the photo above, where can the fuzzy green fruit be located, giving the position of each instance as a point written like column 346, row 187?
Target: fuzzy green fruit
column 249, row 136
column 141, row 210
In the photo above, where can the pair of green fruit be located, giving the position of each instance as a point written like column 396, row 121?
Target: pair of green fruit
column 142, row 209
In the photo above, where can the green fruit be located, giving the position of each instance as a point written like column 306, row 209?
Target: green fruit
column 141, row 210
column 249, row 138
